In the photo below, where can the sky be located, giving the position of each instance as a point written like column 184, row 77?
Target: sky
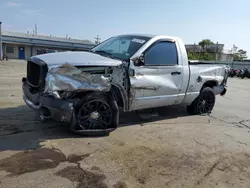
column 223, row 21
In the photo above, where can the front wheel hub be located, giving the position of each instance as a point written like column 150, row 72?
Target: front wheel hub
column 94, row 115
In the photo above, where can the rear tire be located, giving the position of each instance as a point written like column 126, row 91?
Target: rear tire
column 204, row 103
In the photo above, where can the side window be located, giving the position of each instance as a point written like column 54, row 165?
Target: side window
column 162, row 53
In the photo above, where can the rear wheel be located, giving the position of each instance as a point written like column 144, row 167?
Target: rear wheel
column 204, row 103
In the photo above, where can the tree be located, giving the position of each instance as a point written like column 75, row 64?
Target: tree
column 201, row 56
column 205, row 42
column 240, row 55
column 205, row 54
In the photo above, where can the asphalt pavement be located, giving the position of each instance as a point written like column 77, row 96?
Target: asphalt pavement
column 172, row 149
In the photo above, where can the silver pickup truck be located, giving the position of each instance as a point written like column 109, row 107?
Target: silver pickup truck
column 87, row 90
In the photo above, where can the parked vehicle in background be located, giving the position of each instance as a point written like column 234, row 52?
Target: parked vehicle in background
column 232, row 72
column 126, row 72
column 245, row 73
column 239, row 72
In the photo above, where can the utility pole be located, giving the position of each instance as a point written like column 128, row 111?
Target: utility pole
column 97, row 39
column 1, row 42
column 35, row 29
column 216, row 52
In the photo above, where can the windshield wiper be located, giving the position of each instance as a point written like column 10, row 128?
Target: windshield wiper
column 104, row 53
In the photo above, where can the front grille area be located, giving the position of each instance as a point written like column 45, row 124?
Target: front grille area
column 36, row 72
column 33, row 73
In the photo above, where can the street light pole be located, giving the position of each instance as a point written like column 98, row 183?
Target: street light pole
column 1, row 42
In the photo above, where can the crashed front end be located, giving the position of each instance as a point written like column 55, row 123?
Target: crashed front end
column 51, row 91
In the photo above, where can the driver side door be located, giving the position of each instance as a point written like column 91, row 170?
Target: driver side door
column 158, row 81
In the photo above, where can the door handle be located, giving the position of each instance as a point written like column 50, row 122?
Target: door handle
column 174, row 73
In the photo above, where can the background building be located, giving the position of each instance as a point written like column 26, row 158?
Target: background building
column 215, row 51
column 211, row 48
column 22, row 46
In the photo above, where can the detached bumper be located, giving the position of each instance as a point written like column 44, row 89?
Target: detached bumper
column 48, row 107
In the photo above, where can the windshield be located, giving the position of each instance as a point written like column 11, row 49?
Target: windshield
column 121, row 47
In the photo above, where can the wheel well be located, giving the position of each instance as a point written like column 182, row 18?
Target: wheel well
column 210, row 83
column 115, row 91
column 118, row 96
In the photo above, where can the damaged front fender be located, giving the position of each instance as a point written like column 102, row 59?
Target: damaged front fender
column 69, row 78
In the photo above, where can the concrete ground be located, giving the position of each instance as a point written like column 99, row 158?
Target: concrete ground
column 171, row 150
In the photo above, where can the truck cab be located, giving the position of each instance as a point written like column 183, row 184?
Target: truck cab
column 160, row 73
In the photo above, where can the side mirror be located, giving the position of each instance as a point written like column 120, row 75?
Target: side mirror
column 139, row 61
column 141, row 58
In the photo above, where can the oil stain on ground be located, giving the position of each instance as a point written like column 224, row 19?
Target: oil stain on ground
column 40, row 159
column 84, row 178
column 120, row 184
column 46, row 158
column 76, row 158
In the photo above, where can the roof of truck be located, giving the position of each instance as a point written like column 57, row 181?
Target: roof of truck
column 148, row 35
column 139, row 34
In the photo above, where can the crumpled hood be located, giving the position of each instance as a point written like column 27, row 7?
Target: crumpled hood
column 76, row 59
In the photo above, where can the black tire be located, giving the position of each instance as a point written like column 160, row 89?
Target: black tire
column 97, row 112
column 204, row 103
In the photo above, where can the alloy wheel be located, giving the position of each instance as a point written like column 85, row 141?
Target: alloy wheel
column 95, row 114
